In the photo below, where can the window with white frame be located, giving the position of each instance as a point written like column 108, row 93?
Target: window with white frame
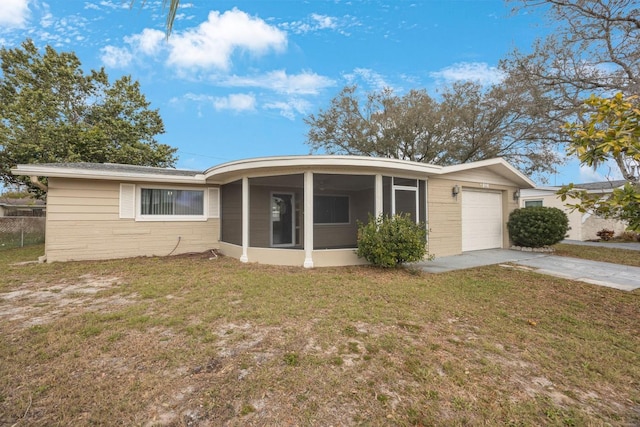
column 151, row 203
column 532, row 203
column 166, row 202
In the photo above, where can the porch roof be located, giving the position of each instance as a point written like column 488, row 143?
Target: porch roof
column 262, row 166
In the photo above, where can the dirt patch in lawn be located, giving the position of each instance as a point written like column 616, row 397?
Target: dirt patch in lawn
column 36, row 303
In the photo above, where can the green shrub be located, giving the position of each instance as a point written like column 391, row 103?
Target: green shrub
column 389, row 241
column 539, row 226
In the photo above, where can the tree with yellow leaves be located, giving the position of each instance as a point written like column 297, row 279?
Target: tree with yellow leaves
column 611, row 132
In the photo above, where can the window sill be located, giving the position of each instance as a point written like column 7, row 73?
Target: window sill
column 172, row 218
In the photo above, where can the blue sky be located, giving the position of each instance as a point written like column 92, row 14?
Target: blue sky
column 236, row 78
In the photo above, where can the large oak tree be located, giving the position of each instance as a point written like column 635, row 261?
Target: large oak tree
column 593, row 49
column 52, row 112
column 466, row 123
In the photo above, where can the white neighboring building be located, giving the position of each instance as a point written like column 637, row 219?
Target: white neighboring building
column 584, row 226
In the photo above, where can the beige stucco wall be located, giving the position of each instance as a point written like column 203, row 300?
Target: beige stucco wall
column 83, row 223
column 445, row 211
column 592, row 224
column 582, row 226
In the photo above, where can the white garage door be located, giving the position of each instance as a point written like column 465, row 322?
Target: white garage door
column 481, row 220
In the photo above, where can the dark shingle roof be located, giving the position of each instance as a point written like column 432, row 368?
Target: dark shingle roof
column 114, row 167
column 604, row 185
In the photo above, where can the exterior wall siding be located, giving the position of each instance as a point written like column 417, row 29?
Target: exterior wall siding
column 83, row 223
column 445, row 211
column 445, row 218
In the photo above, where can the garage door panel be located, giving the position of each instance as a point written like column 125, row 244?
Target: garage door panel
column 481, row 220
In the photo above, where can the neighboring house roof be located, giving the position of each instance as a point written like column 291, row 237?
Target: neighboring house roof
column 591, row 187
column 227, row 172
column 21, row 203
column 601, row 186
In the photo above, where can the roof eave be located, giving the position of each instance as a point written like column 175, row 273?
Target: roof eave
column 35, row 170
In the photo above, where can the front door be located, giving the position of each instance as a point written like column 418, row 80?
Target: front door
column 282, row 219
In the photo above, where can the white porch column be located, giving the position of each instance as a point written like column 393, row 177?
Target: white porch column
column 308, row 219
column 245, row 219
column 378, row 196
column 417, row 201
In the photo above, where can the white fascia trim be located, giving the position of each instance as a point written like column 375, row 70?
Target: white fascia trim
column 104, row 175
column 477, row 164
column 299, row 162
column 498, row 161
column 602, row 191
column 551, row 189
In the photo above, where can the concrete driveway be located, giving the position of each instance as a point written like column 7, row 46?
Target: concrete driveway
column 598, row 273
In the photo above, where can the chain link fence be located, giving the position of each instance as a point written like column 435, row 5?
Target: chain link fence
column 20, row 231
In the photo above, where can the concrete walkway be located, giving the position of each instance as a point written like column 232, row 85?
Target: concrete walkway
column 476, row 259
column 598, row 273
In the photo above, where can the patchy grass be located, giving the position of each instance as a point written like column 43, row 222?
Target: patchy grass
column 191, row 341
column 599, row 253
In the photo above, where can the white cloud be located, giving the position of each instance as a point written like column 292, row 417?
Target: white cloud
column 607, row 171
column 212, row 43
column 589, row 174
column 324, row 21
column 115, row 56
column 288, row 109
column 305, row 83
column 370, row 77
column 236, row 102
column 14, row 13
column 47, row 20
column 479, row 72
column 149, row 41
column 317, row 22
column 115, row 4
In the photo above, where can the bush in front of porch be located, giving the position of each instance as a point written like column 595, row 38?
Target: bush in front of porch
column 390, row 241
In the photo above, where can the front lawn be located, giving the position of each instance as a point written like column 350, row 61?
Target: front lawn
column 190, row 340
